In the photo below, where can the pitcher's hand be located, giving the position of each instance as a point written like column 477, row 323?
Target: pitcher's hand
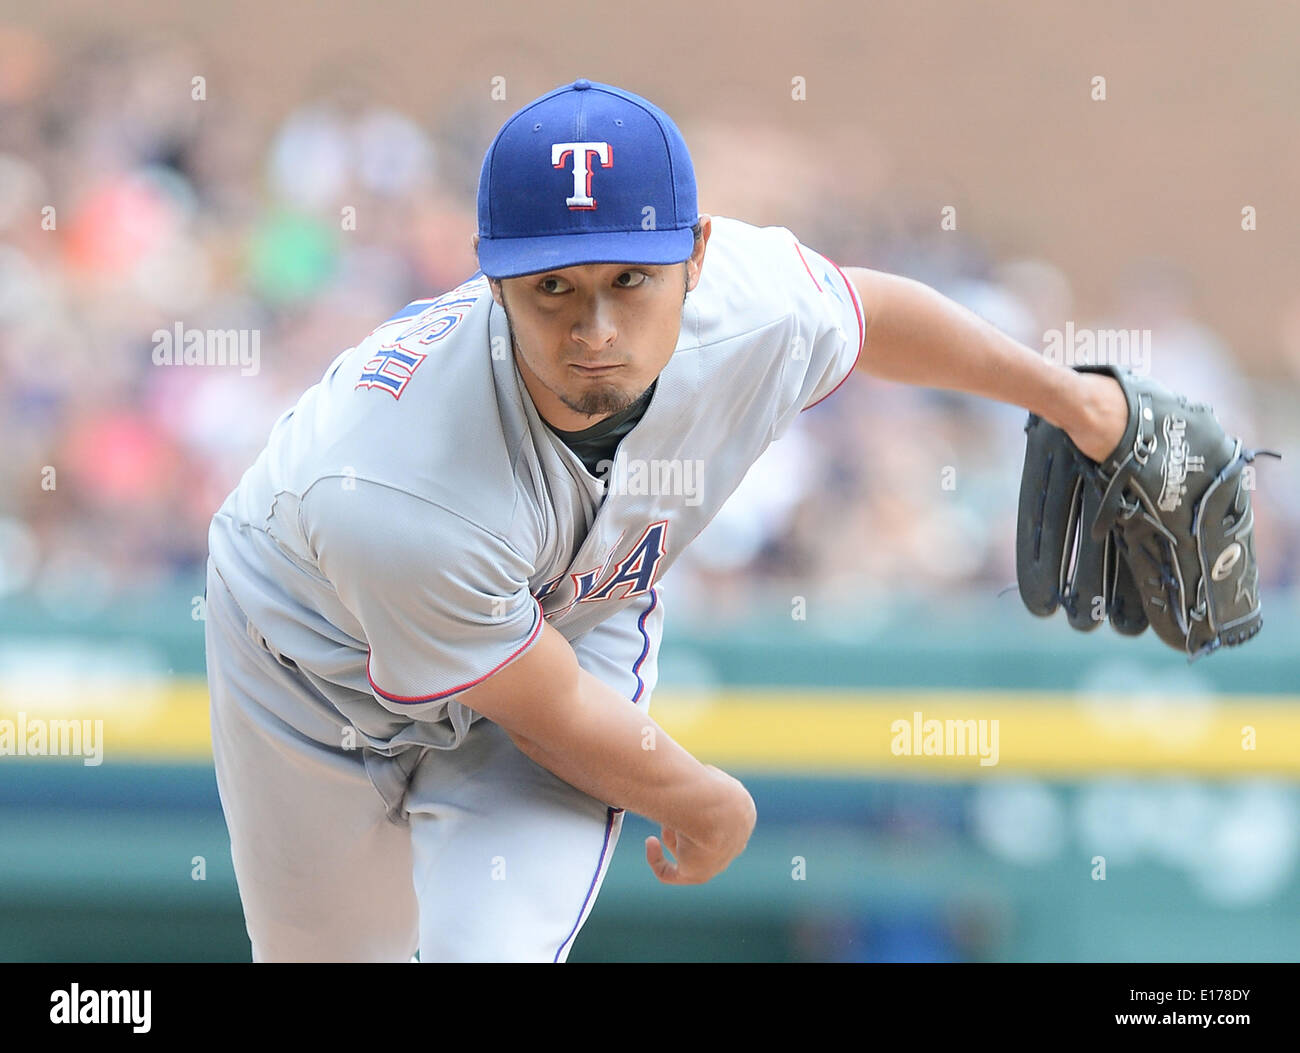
column 698, row 860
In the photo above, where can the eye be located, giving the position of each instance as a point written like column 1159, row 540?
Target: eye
column 644, row 276
column 542, row 284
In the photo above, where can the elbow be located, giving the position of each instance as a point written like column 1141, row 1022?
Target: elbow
column 527, row 746
column 521, row 740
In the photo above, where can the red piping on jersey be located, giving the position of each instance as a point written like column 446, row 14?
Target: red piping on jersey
column 862, row 331
column 805, row 264
column 411, row 700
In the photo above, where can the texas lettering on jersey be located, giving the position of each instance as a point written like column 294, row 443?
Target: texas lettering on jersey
column 634, row 575
column 395, row 362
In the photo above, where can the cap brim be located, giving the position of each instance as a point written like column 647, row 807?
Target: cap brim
column 512, row 257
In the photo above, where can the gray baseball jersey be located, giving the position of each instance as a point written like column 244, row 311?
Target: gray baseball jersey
column 412, row 519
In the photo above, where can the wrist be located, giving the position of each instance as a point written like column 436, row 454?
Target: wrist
column 726, row 808
column 1098, row 417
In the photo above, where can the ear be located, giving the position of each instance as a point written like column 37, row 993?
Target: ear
column 695, row 264
column 493, row 283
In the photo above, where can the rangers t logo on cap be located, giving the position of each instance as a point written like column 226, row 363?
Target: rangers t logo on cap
column 581, row 168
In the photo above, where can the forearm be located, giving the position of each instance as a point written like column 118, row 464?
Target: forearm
column 915, row 335
column 617, row 754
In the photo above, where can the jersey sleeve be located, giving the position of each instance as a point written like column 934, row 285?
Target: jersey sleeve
column 826, row 322
column 443, row 603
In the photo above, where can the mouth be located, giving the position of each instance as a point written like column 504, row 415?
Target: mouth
column 595, row 371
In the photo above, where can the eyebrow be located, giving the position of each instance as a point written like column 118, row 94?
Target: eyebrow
column 541, row 275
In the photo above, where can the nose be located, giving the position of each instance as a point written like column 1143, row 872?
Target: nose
column 595, row 328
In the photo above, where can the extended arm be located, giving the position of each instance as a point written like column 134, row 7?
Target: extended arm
column 915, row 335
column 425, row 586
column 585, row 732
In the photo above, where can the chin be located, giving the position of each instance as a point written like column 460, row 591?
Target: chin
column 601, row 401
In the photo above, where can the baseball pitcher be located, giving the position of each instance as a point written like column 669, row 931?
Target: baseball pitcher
column 435, row 601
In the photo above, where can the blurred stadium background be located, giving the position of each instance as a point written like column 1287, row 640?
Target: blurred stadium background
column 224, row 212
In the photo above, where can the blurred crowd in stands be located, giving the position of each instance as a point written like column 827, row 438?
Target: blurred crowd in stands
column 129, row 203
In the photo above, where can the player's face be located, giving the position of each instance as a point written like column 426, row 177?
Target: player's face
column 589, row 340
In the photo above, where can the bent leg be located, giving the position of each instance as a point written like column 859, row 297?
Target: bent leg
column 323, row 874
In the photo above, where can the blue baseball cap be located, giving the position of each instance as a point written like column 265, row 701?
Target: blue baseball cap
column 587, row 173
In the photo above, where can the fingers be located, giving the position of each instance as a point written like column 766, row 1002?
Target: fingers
column 664, row 869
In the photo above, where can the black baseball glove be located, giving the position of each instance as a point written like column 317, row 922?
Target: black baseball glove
column 1160, row 533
